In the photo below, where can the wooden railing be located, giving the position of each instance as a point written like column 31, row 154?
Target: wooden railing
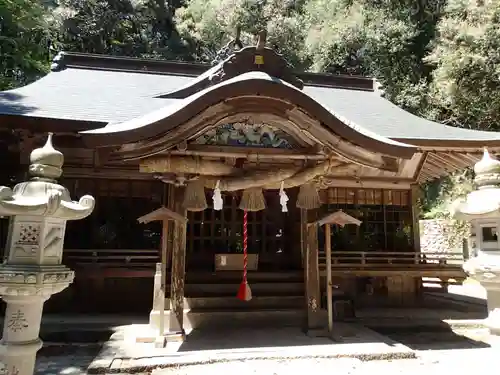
column 375, row 259
column 141, row 262
column 130, row 258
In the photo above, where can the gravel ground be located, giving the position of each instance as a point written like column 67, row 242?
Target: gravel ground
column 74, row 360
column 446, row 363
column 65, row 359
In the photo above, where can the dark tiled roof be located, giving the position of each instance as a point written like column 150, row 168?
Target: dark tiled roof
column 115, row 90
column 91, row 95
column 371, row 111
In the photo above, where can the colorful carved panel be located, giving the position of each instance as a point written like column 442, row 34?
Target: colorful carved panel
column 246, row 135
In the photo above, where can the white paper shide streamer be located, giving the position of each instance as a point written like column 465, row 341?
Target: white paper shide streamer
column 217, row 197
column 283, row 198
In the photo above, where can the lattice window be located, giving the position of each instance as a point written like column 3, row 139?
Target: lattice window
column 113, row 224
column 212, row 231
column 385, row 214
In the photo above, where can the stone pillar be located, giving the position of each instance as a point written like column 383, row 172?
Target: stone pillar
column 493, row 298
column 33, row 271
column 20, row 340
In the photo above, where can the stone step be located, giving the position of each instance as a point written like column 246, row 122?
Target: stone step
column 457, row 302
column 236, row 318
column 233, row 303
column 235, row 277
column 230, row 289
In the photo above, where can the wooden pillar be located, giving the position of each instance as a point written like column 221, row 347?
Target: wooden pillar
column 311, row 270
column 401, row 290
column 176, row 321
column 303, row 235
column 329, row 286
column 415, row 195
column 163, row 278
column 415, row 213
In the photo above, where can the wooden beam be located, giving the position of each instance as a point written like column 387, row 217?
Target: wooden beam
column 420, row 167
column 364, row 182
column 445, row 159
column 444, row 165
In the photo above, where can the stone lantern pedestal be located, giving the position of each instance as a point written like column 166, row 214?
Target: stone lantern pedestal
column 482, row 208
column 32, row 269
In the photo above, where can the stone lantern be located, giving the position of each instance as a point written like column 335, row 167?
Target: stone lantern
column 32, row 271
column 482, row 208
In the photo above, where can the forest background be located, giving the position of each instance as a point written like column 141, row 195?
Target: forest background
column 439, row 59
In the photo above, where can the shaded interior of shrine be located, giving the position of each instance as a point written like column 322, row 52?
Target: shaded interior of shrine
column 385, row 215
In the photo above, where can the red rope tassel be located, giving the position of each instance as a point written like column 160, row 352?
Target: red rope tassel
column 244, row 292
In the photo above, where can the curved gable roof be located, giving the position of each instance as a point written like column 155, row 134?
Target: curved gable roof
column 248, row 84
column 89, row 91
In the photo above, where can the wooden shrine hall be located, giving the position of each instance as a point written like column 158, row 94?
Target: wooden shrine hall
column 248, row 142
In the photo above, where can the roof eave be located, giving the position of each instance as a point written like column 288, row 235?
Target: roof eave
column 455, row 144
column 41, row 124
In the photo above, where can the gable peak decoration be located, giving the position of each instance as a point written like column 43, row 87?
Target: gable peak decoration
column 245, row 134
column 256, row 58
column 261, row 43
column 228, row 49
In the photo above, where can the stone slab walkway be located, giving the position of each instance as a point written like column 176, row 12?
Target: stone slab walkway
column 122, row 355
column 351, row 340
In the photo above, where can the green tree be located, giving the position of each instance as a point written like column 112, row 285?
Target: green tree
column 137, row 28
column 385, row 39
column 25, row 37
column 465, row 91
column 208, row 25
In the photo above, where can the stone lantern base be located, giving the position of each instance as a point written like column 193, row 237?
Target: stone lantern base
column 493, row 320
column 486, row 270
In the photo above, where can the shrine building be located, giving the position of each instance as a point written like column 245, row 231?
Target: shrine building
column 287, row 147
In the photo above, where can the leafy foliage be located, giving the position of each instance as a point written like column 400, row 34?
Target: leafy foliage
column 436, row 58
column 466, row 85
column 141, row 28
column 439, row 195
column 25, row 34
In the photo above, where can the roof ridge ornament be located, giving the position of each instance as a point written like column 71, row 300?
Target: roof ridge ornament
column 58, row 62
column 229, row 48
column 259, row 48
column 252, row 58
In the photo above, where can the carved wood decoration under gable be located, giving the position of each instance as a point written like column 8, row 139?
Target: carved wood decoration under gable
column 306, row 134
column 245, row 134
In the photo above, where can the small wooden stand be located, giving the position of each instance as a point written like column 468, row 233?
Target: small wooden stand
column 336, row 218
column 164, row 215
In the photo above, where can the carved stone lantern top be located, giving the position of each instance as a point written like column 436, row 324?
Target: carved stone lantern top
column 487, row 171
column 42, row 195
column 46, row 162
column 484, row 202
